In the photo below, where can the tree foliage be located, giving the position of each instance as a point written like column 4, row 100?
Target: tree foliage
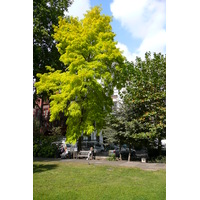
column 142, row 116
column 93, row 66
column 115, row 129
column 45, row 14
column 146, row 97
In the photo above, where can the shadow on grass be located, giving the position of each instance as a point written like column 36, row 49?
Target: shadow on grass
column 38, row 168
column 40, row 159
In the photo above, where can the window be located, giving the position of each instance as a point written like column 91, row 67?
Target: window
column 95, row 136
column 45, row 112
column 85, row 138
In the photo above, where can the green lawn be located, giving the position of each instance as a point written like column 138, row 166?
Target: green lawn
column 62, row 180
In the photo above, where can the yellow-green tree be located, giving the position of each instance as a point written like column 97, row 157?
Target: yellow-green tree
column 93, row 67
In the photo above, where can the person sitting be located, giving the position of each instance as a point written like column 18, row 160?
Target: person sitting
column 65, row 153
column 92, row 152
column 89, row 155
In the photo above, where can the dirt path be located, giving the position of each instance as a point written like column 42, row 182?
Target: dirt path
column 144, row 166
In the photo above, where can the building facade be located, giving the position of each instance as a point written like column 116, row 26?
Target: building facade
column 44, row 107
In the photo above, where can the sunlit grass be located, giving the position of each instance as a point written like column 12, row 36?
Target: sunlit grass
column 63, row 180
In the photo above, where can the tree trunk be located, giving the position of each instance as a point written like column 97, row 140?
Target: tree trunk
column 79, row 144
column 129, row 155
column 120, row 155
column 159, row 146
column 41, row 113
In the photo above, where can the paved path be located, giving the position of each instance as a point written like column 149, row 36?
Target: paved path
column 144, row 166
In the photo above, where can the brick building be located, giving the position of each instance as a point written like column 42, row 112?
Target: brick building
column 44, row 107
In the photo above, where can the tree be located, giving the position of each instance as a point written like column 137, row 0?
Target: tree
column 45, row 14
column 146, row 98
column 142, row 116
column 93, row 66
column 114, row 130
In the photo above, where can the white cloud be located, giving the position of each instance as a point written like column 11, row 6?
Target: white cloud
column 129, row 56
column 78, row 8
column 144, row 19
column 125, row 50
column 140, row 17
column 153, row 43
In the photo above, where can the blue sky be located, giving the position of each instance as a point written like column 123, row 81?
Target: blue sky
column 139, row 25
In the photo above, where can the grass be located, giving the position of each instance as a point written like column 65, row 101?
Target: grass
column 74, row 181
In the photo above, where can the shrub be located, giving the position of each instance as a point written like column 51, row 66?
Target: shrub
column 112, row 158
column 161, row 159
column 36, row 150
column 36, row 126
column 158, row 159
column 42, row 146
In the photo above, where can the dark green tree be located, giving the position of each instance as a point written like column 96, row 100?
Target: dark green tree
column 145, row 97
column 142, row 116
column 115, row 130
column 45, row 53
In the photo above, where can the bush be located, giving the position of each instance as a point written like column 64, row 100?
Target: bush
column 36, row 150
column 36, row 126
column 161, row 159
column 42, row 146
column 112, row 158
column 158, row 159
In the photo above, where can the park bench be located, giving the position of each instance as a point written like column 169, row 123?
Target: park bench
column 83, row 154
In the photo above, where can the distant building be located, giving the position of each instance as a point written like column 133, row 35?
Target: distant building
column 115, row 98
column 42, row 106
